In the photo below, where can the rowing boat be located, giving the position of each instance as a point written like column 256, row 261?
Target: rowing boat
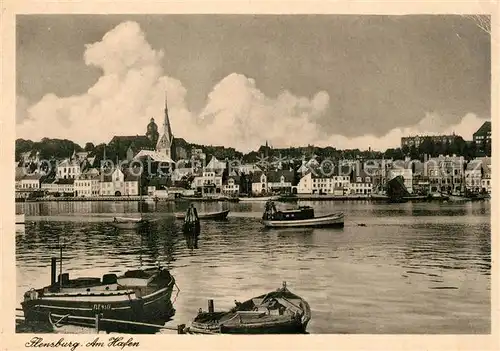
column 219, row 215
column 277, row 312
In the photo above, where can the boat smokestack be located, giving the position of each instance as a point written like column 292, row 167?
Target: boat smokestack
column 53, row 269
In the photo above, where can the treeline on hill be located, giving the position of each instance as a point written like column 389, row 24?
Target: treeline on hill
column 63, row 148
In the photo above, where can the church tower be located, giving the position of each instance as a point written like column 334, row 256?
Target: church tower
column 152, row 132
column 164, row 144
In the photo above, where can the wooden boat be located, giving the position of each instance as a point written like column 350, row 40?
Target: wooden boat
column 300, row 217
column 136, row 296
column 219, row 215
column 457, row 198
column 277, row 312
column 258, row 199
column 20, row 219
column 130, row 222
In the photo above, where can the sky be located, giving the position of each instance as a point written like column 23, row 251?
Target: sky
column 345, row 81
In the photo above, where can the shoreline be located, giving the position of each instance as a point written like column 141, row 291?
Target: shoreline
column 255, row 199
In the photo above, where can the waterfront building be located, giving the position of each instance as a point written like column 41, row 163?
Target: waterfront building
column 29, row 183
column 87, row 184
column 231, row 186
column 59, row 186
column 417, row 140
column 259, row 183
column 131, row 182
column 317, row 183
column 486, row 176
column 305, row 184
column 280, row 181
column 473, row 175
column 112, row 184
column 360, row 183
column 446, row 174
column 208, row 182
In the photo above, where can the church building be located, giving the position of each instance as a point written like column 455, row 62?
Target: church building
column 164, row 143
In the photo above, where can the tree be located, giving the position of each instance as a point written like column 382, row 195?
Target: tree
column 89, row 147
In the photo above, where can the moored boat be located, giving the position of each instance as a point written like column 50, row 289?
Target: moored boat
column 130, row 222
column 300, row 217
column 258, row 198
column 277, row 312
column 137, row 296
column 218, row 215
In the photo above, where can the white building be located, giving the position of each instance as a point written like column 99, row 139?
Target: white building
column 407, row 175
column 473, row 175
column 59, row 186
column 88, row 185
column 259, row 183
column 208, row 183
column 305, row 184
column 68, row 169
column 231, row 186
column 486, row 178
column 30, row 182
column 360, row 184
column 280, row 181
column 112, row 184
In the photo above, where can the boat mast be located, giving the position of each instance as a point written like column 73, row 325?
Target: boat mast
column 60, row 265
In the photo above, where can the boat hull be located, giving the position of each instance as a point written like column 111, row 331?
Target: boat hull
column 207, row 216
column 330, row 221
column 155, row 308
column 289, row 327
column 258, row 316
column 258, row 199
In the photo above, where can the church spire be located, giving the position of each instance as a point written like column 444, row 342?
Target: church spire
column 166, row 122
column 166, row 139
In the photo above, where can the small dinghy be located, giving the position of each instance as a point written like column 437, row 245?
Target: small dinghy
column 300, row 217
column 129, row 223
column 277, row 312
column 258, row 198
column 220, row 215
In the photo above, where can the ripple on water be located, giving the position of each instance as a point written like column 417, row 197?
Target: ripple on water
column 408, row 271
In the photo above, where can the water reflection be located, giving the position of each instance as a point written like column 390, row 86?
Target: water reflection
column 409, row 270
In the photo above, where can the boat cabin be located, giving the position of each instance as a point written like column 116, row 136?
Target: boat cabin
column 301, row 213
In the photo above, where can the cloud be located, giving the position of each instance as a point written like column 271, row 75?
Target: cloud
column 237, row 113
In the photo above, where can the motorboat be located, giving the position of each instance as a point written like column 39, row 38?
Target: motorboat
column 302, row 216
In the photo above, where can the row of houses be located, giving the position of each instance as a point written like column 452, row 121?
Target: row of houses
column 440, row 174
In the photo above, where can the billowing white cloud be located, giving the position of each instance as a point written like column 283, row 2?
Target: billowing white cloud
column 431, row 124
column 132, row 89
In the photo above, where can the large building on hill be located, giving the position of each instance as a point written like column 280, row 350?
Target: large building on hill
column 483, row 134
column 417, row 140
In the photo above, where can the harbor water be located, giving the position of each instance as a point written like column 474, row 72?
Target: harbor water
column 412, row 267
